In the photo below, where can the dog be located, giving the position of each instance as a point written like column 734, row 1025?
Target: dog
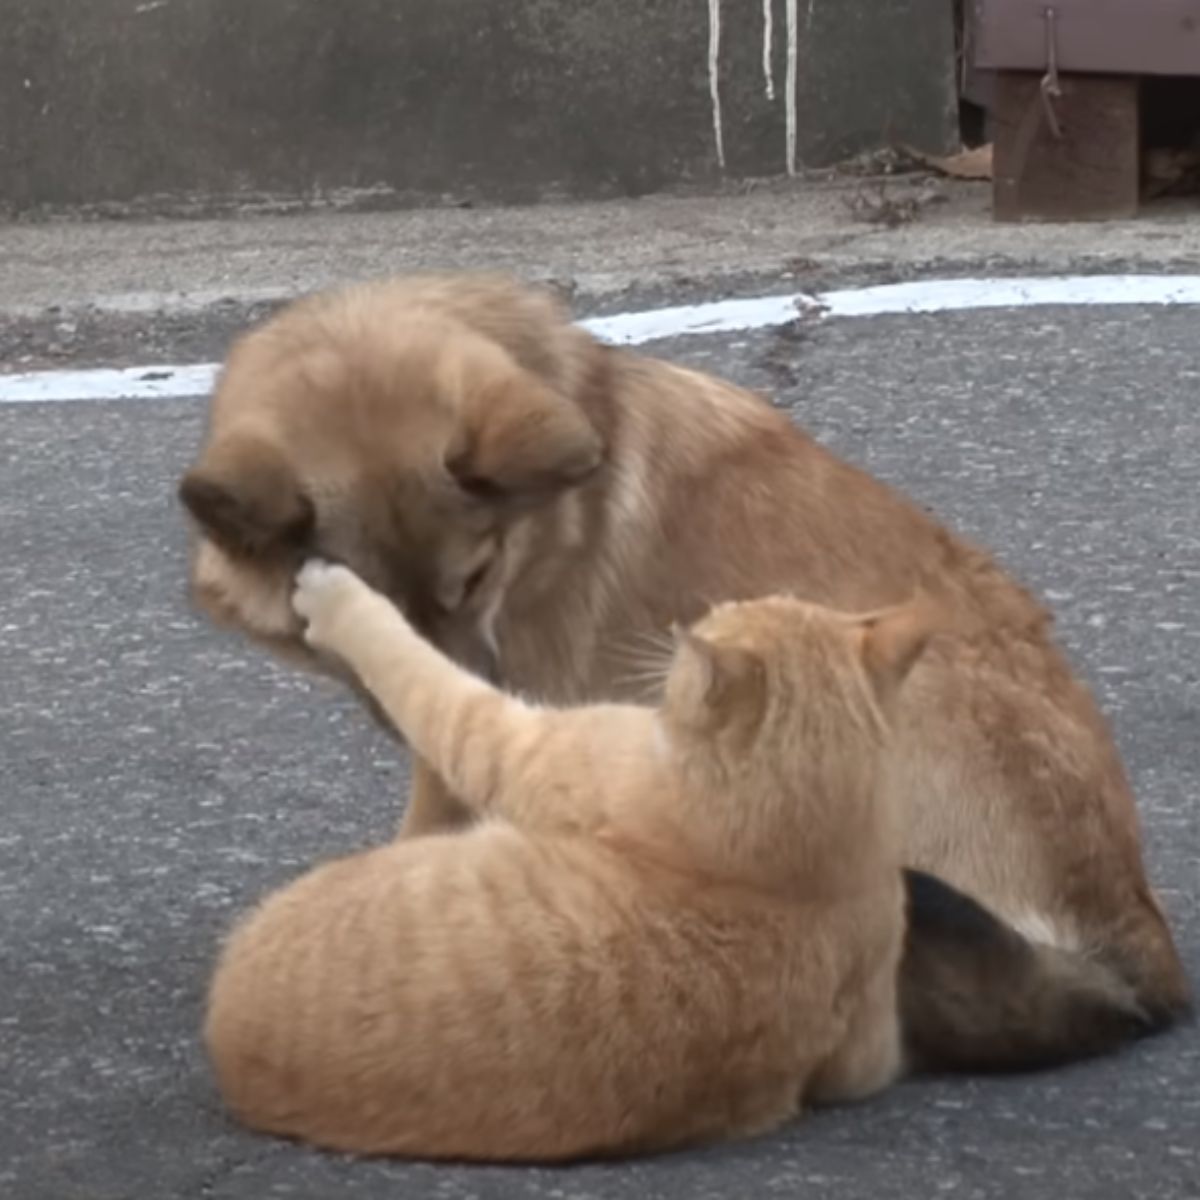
column 544, row 507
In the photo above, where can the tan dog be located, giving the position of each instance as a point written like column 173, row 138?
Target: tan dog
column 538, row 504
column 675, row 924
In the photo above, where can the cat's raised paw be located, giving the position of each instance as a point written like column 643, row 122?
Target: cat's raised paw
column 320, row 588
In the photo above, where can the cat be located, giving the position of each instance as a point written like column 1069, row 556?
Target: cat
column 665, row 926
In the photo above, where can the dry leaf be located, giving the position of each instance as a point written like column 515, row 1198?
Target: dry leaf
column 883, row 209
column 969, row 164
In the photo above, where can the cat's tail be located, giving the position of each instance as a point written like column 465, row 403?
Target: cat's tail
column 975, row 995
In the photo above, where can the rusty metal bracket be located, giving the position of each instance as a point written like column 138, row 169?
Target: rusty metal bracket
column 1050, row 89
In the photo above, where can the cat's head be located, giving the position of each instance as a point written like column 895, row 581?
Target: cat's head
column 822, row 679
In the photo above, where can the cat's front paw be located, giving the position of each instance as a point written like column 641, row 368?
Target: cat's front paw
column 322, row 592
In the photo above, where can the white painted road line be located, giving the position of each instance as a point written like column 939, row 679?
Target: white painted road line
column 720, row 316
column 928, row 296
column 109, row 383
column 955, row 295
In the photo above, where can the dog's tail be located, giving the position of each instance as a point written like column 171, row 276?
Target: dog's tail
column 975, row 995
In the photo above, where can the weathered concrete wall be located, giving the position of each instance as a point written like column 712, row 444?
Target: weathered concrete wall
column 159, row 103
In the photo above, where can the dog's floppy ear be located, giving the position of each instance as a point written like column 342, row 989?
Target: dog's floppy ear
column 246, row 497
column 522, row 439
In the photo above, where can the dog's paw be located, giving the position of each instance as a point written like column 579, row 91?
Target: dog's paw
column 321, row 589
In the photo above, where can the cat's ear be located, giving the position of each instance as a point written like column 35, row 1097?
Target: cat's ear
column 894, row 639
column 244, row 494
column 523, row 440
column 726, row 677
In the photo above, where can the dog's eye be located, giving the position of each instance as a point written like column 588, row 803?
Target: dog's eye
column 479, row 487
column 474, row 580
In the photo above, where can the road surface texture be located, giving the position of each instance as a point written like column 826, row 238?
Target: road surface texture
column 159, row 777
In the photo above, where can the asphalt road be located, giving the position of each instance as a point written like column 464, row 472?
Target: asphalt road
column 158, row 777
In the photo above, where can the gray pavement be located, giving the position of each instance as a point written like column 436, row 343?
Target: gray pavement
column 159, row 776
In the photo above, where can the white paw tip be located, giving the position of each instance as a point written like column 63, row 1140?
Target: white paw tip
column 316, row 571
column 313, row 566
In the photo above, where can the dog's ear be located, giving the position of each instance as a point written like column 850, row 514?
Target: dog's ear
column 521, row 439
column 244, row 494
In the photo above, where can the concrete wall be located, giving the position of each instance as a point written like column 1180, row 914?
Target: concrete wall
column 169, row 103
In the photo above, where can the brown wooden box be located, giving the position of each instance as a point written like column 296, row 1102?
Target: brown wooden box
column 1064, row 97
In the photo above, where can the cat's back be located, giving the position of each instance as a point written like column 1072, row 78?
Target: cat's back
column 493, row 995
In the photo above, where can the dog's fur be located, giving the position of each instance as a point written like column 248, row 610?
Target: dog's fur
column 538, row 503
column 670, row 925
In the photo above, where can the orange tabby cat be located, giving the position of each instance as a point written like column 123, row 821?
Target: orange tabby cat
column 672, row 924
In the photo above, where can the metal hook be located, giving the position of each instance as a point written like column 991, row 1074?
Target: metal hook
column 1050, row 90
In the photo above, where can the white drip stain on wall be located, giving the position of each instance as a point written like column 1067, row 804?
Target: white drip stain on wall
column 768, row 70
column 714, row 79
column 768, row 46
column 789, row 99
